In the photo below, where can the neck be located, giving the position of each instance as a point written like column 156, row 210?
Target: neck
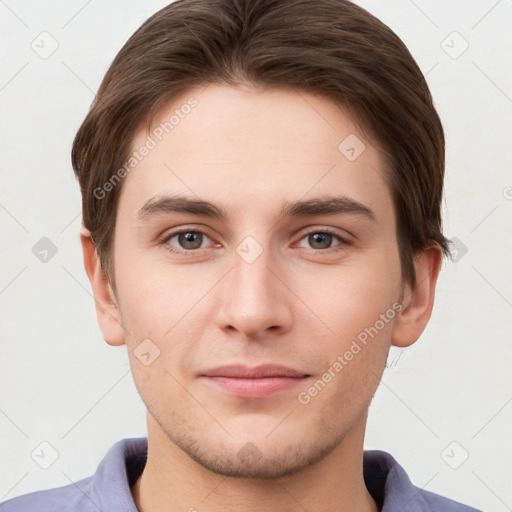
column 172, row 482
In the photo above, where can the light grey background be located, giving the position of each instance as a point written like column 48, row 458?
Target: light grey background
column 447, row 397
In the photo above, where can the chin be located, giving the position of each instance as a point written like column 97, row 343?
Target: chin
column 251, row 462
column 274, row 456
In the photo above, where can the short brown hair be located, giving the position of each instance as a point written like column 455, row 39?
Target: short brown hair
column 331, row 48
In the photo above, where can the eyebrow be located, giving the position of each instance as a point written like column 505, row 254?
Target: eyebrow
column 326, row 205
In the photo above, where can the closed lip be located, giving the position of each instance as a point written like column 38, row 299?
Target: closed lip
column 254, row 372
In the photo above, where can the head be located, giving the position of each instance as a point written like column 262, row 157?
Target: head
column 282, row 121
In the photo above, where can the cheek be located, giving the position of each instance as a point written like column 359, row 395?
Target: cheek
column 353, row 362
column 356, row 311
column 351, row 298
column 355, row 386
column 164, row 329
column 163, row 391
column 159, row 299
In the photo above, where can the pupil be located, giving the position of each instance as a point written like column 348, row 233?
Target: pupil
column 188, row 238
column 321, row 238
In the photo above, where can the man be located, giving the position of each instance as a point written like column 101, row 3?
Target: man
column 261, row 184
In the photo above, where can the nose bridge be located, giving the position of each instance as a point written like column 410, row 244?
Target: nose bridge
column 252, row 267
column 254, row 299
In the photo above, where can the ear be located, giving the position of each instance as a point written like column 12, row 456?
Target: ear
column 107, row 311
column 418, row 301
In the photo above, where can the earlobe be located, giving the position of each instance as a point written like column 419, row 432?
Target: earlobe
column 418, row 301
column 107, row 311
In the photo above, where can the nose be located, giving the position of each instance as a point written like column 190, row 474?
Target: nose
column 255, row 299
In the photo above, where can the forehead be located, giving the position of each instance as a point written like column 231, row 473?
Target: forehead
column 238, row 146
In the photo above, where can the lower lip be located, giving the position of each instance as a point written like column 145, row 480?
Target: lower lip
column 255, row 388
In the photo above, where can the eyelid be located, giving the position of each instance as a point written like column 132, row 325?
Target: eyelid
column 168, row 234
column 344, row 235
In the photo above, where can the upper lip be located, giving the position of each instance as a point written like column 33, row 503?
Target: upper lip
column 254, row 372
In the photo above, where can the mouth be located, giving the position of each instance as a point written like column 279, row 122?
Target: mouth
column 254, row 382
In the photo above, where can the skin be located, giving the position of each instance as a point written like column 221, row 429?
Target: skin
column 298, row 304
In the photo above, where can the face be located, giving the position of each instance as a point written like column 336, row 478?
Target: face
column 257, row 325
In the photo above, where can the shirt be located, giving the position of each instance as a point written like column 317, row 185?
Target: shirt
column 108, row 490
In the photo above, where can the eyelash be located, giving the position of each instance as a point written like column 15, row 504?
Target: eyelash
column 168, row 236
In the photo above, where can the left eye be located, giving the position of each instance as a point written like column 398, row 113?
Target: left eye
column 322, row 239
